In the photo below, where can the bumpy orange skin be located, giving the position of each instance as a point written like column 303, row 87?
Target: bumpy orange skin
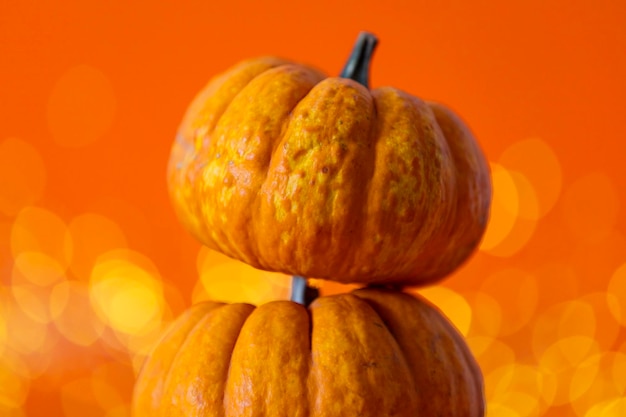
column 287, row 170
column 369, row 353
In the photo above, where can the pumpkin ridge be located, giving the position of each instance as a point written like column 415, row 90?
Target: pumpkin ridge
column 445, row 347
column 196, row 134
column 378, row 191
column 192, row 378
column 287, row 120
column 386, row 322
column 194, row 314
column 357, row 355
column 469, row 363
column 277, row 141
column 446, row 209
column 295, row 164
column 362, row 190
column 357, row 169
column 272, row 62
column 200, row 320
column 449, row 343
column 238, row 158
column 357, row 184
column 224, row 401
column 368, row 185
column 462, row 360
column 224, row 243
column 199, row 136
column 417, row 219
column 269, row 363
column 471, row 170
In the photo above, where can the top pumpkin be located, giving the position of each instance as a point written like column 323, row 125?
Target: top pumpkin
column 288, row 170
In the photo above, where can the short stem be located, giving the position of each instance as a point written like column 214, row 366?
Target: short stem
column 358, row 66
column 301, row 292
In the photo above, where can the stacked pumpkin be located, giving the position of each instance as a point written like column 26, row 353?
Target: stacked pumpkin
column 288, row 170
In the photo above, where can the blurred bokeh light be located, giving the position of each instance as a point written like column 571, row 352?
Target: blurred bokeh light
column 94, row 264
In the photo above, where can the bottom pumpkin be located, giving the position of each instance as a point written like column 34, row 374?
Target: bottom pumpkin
column 372, row 352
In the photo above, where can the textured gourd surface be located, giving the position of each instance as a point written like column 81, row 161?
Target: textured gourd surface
column 287, row 170
column 368, row 353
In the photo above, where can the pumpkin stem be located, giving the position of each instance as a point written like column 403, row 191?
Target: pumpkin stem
column 301, row 292
column 358, row 66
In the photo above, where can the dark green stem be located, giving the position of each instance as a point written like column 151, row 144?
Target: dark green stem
column 358, row 66
column 301, row 292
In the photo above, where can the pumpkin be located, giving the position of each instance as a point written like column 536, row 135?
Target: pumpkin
column 288, row 170
column 372, row 352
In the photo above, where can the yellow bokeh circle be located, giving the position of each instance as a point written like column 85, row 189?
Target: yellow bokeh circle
column 535, row 160
column 14, row 381
column 223, row 279
column 73, row 314
column 452, row 304
column 126, row 295
column 41, row 237
column 513, row 215
column 616, row 295
column 504, row 207
column 527, row 389
column 92, row 235
column 598, row 379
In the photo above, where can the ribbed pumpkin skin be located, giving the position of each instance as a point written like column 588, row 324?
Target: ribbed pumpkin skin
column 289, row 171
column 371, row 353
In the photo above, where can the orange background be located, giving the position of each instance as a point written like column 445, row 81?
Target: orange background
column 93, row 262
